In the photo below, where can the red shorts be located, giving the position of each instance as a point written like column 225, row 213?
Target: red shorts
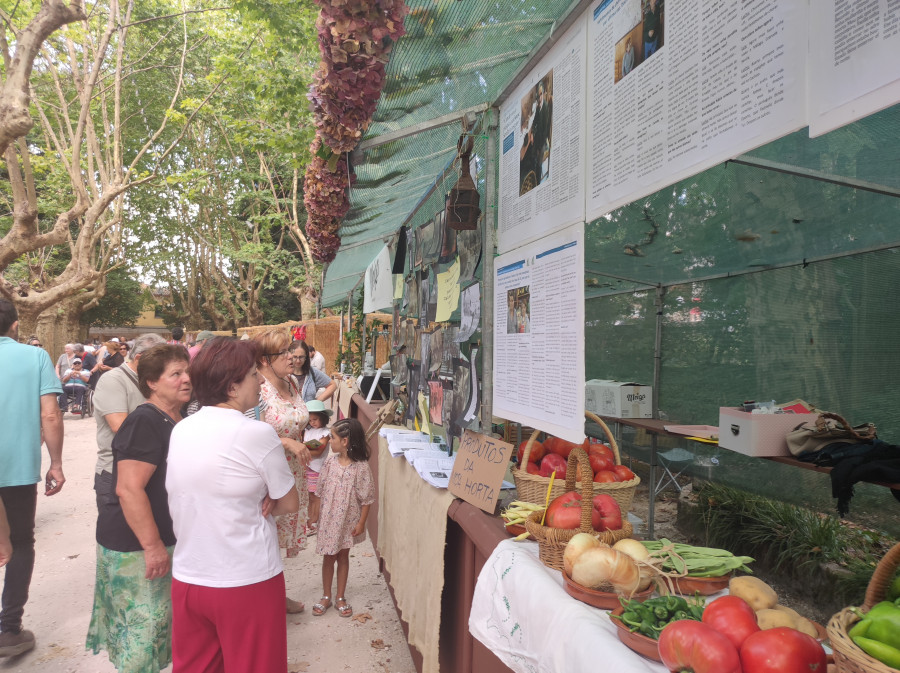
column 229, row 630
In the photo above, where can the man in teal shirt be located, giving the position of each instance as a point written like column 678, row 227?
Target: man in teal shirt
column 29, row 404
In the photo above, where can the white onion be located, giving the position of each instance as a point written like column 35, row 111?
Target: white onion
column 633, row 548
column 579, row 543
column 601, row 566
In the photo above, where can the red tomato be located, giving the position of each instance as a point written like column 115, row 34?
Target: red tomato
column 532, row 468
column 605, row 476
column 599, row 463
column 687, row 645
column 732, row 617
column 623, row 473
column 565, row 512
column 602, row 450
column 553, row 463
column 562, row 447
column 610, row 514
column 550, row 445
column 782, row 650
column 537, row 452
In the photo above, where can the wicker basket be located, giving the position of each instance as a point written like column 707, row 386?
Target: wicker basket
column 552, row 541
column 847, row 656
column 533, row 488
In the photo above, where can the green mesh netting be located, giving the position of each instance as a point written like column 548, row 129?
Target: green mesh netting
column 455, row 55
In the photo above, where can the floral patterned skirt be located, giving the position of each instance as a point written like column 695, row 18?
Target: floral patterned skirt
column 292, row 527
column 132, row 616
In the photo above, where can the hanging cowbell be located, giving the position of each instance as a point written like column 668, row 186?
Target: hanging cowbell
column 464, row 201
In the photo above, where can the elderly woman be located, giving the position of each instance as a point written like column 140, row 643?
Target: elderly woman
column 282, row 407
column 132, row 612
column 313, row 384
column 227, row 477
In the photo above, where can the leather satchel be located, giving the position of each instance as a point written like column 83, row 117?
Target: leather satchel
column 826, row 429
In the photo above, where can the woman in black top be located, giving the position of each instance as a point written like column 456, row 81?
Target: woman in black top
column 132, row 615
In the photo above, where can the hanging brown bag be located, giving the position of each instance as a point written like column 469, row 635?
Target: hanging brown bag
column 828, row 428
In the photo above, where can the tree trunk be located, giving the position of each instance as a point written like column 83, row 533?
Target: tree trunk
column 55, row 327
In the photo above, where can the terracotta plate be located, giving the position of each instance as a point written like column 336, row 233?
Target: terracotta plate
column 599, row 599
column 638, row 642
column 705, row 586
column 515, row 529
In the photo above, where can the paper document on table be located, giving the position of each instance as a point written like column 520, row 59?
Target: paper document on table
column 387, row 433
column 398, row 448
column 436, row 471
column 429, row 452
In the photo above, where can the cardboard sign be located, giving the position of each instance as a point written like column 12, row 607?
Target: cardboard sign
column 479, row 468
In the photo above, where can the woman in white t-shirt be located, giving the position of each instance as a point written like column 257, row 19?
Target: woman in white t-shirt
column 227, row 479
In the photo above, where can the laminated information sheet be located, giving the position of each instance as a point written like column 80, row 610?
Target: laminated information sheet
column 539, row 334
column 542, row 141
column 677, row 87
column 854, row 68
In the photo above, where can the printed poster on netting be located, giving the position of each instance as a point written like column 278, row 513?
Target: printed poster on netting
column 854, row 68
column 542, row 141
column 539, row 334
column 675, row 88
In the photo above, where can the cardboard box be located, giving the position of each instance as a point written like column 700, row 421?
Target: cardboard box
column 618, row 399
column 759, row 435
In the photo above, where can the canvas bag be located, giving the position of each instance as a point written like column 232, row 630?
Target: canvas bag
column 828, row 428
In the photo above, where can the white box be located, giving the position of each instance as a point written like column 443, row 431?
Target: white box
column 618, row 399
column 759, row 435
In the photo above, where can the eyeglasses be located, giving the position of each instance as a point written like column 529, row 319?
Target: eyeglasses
column 299, row 357
column 279, row 354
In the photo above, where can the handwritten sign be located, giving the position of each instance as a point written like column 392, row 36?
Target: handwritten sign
column 479, row 468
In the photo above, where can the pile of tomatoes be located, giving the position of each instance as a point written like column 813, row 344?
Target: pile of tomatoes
column 551, row 455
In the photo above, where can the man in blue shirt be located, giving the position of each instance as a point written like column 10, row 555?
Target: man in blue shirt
column 29, row 404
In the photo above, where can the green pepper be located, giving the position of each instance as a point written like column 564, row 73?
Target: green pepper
column 681, row 614
column 675, row 603
column 660, row 612
column 860, row 628
column 884, row 653
column 885, row 626
column 696, row 612
column 631, row 619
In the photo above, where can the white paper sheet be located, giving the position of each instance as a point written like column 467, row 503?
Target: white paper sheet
column 379, row 283
column 725, row 78
column 854, row 68
column 539, row 334
column 471, row 312
column 436, row 471
column 542, row 145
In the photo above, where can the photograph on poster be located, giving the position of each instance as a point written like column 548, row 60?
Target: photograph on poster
column 436, row 402
column 447, row 410
column 437, row 350
column 412, row 296
column 518, row 310
column 629, row 52
column 642, row 40
column 652, row 26
column 468, row 244
column 537, row 131
column 470, row 302
column 461, row 389
column 448, row 239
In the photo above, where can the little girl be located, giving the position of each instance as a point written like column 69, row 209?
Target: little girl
column 346, row 489
column 316, row 430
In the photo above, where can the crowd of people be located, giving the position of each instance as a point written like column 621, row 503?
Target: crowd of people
column 209, row 459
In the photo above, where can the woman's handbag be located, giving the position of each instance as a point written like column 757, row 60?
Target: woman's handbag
column 828, row 428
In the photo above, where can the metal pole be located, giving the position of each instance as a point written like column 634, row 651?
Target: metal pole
column 657, row 361
column 487, row 276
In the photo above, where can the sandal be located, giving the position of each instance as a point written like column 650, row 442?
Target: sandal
column 320, row 608
column 343, row 610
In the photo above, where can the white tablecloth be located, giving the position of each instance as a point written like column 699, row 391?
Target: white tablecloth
column 521, row 612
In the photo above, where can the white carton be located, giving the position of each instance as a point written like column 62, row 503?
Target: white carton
column 619, row 399
column 760, row 435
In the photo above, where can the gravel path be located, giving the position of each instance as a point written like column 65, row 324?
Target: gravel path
column 59, row 609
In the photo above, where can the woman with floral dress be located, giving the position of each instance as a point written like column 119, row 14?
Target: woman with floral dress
column 282, row 407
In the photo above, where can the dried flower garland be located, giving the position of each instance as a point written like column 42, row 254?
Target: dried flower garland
column 355, row 40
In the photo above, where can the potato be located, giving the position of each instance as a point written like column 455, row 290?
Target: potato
column 790, row 611
column 807, row 627
column 757, row 593
column 768, row 618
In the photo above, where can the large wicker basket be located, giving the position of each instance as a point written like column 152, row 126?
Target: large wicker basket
column 552, row 541
column 533, row 488
column 848, row 657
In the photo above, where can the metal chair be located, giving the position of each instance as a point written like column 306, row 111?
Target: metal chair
column 673, row 463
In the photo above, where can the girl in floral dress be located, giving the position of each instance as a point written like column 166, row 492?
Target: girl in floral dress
column 282, row 407
column 347, row 491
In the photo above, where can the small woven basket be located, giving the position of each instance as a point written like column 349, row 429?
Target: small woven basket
column 533, row 488
column 848, row 657
column 552, row 541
